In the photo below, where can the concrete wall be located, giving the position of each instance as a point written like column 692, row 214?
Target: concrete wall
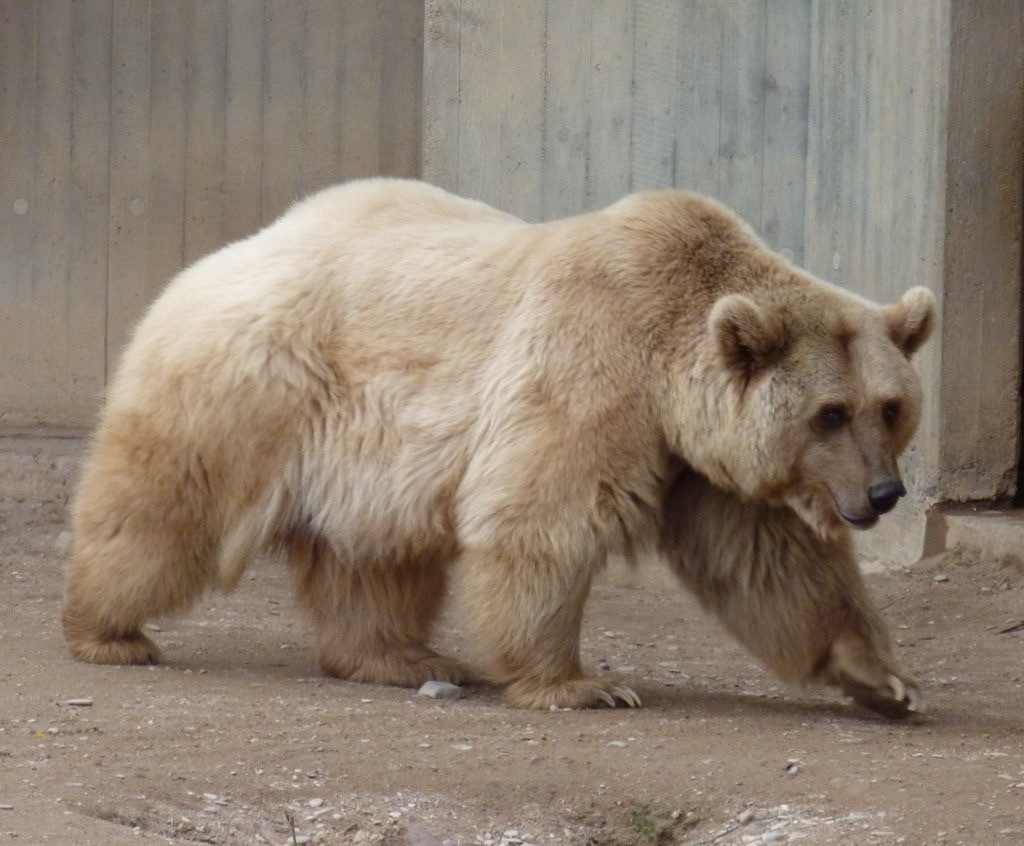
column 138, row 135
column 551, row 107
column 978, row 436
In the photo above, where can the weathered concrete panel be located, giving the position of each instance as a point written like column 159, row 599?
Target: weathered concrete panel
column 710, row 96
column 980, row 385
column 138, row 136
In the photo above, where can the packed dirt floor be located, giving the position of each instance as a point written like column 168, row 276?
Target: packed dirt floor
column 237, row 739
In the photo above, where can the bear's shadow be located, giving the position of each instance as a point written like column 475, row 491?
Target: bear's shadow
column 686, row 703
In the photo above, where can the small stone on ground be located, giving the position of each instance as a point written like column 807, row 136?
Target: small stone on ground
column 441, row 690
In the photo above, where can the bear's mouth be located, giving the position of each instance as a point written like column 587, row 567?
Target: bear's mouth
column 859, row 522
column 864, row 521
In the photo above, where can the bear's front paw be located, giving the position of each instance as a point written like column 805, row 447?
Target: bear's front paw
column 894, row 698
column 864, row 672
column 576, row 693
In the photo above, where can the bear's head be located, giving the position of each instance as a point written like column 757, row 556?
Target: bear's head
column 816, row 398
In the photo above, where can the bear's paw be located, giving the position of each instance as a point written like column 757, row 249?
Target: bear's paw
column 574, row 693
column 398, row 669
column 132, row 648
column 894, row 698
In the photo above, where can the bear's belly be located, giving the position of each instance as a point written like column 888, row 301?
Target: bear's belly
column 375, row 503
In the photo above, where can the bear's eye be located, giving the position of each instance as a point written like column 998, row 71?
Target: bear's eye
column 890, row 411
column 832, row 417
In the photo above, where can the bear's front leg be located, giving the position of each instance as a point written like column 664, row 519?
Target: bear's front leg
column 794, row 600
column 525, row 614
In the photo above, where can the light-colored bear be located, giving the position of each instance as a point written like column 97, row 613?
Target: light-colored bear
column 391, row 379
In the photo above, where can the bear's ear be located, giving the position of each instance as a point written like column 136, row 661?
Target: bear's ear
column 749, row 336
column 911, row 320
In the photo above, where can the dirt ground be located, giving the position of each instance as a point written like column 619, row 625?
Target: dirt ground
column 238, row 740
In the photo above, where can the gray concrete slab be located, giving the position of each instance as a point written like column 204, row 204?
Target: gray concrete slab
column 982, row 530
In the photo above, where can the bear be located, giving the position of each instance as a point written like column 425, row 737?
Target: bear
column 391, row 384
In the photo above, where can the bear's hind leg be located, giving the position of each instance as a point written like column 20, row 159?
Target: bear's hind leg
column 794, row 600
column 374, row 622
column 131, row 561
column 525, row 617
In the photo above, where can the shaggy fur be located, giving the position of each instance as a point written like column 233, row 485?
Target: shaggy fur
column 797, row 602
column 390, row 379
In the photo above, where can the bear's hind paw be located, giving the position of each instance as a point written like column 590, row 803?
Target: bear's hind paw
column 445, row 669
column 134, row 648
column 577, row 693
column 400, row 670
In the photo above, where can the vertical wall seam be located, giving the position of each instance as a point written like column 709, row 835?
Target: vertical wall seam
column 264, row 86
column 763, row 91
column 721, row 82
column 630, row 182
column 458, row 107
column 224, row 46
column 37, row 118
column 110, row 191
column 545, row 41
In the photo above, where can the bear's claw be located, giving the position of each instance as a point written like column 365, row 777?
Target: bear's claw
column 619, row 693
column 896, row 699
column 626, row 695
column 577, row 693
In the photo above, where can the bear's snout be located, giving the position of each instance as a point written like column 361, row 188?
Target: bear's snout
column 884, row 495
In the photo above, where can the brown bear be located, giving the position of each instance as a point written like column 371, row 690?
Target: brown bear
column 390, row 379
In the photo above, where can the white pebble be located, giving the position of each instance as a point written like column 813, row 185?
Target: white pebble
column 441, row 690
column 942, row 577
column 316, row 803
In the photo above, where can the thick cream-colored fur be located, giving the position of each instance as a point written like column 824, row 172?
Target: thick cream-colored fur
column 390, row 379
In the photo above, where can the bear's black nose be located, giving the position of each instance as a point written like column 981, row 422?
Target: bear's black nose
column 884, row 495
